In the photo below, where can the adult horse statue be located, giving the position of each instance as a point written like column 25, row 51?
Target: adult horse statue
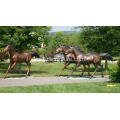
column 16, row 57
column 69, row 58
column 86, row 59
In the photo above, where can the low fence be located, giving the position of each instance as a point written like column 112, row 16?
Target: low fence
column 54, row 60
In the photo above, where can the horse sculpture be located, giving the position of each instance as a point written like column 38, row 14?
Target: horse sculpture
column 86, row 59
column 16, row 57
column 69, row 58
column 63, row 49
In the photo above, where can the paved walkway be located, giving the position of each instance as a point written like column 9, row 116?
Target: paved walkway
column 48, row 80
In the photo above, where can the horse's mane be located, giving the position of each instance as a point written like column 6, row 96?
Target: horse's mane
column 12, row 47
column 67, row 47
column 76, row 47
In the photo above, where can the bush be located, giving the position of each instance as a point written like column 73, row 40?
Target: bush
column 115, row 73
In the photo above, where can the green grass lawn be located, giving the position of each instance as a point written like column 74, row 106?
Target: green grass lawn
column 52, row 69
column 45, row 69
column 101, row 87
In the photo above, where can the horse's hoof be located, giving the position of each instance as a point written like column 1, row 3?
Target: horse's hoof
column 102, row 76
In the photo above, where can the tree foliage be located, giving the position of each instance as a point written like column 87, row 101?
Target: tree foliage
column 99, row 39
column 115, row 72
column 102, row 39
column 23, row 37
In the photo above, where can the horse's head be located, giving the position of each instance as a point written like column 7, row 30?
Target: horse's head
column 8, row 48
column 59, row 50
column 62, row 48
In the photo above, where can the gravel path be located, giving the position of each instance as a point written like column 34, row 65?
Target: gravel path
column 48, row 80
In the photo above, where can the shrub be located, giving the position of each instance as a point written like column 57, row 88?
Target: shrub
column 115, row 72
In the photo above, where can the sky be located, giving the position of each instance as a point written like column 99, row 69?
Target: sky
column 61, row 28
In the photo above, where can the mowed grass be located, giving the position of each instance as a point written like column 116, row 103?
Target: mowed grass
column 46, row 69
column 102, row 87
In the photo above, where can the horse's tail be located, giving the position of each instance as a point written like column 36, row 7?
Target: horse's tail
column 35, row 54
column 106, row 56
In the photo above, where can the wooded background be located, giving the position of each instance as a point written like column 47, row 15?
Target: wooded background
column 99, row 39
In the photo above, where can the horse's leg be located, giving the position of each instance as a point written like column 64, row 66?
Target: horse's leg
column 96, row 68
column 28, row 72
column 13, row 65
column 9, row 67
column 66, row 64
column 77, row 65
column 89, row 70
column 83, row 70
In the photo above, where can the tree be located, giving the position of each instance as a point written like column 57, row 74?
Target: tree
column 101, row 39
column 57, row 39
column 23, row 37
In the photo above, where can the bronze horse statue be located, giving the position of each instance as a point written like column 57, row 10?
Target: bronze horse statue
column 69, row 58
column 63, row 49
column 86, row 59
column 16, row 57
